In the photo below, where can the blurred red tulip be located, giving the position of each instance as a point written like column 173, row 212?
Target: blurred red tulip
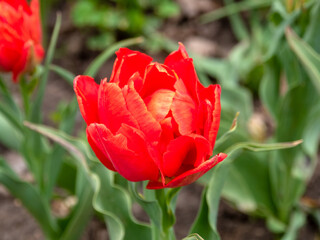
column 20, row 36
column 152, row 121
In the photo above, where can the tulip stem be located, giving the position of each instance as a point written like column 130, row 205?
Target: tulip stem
column 25, row 96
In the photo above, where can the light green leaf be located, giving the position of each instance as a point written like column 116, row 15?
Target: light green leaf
column 116, row 209
column 297, row 221
column 193, row 236
column 309, row 58
column 258, row 147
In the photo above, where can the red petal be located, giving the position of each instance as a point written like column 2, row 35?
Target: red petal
column 125, row 161
column 167, row 134
column 189, row 176
column 87, row 94
column 127, row 63
column 34, row 24
column 158, row 76
column 182, row 65
column 176, row 153
column 112, row 107
column 176, row 56
column 148, row 125
column 185, row 152
column 212, row 93
column 184, row 109
column 96, row 143
column 159, row 103
column 17, row 3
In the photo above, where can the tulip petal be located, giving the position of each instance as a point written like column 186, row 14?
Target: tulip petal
column 184, row 153
column 112, row 107
column 19, row 3
column 157, row 76
column 96, row 143
column 189, row 176
column 212, row 94
column 127, row 63
column 148, row 125
column 87, row 95
column 184, row 109
column 182, row 65
column 159, row 103
column 176, row 56
column 178, row 151
column 125, row 161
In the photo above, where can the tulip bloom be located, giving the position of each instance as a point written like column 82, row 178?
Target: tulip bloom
column 20, row 36
column 152, row 121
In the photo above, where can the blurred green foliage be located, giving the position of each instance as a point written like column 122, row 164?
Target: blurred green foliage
column 111, row 20
column 277, row 60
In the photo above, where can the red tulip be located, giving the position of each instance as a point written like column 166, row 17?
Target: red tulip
column 152, row 121
column 20, row 36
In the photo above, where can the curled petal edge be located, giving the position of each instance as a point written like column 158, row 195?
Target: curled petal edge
column 190, row 176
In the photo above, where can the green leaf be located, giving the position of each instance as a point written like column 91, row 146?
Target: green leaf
column 309, row 58
column 227, row 134
column 36, row 110
column 64, row 73
column 55, row 156
column 270, row 86
column 193, row 236
column 152, row 208
column 247, row 186
column 278, row 33
column 258, row 147
column 201, row 224
column 8, row 98
column 312, row 34
column 237, row 23
column 311, row 134
column 11, row 117
column 297, row 221
column 96, row 64
column 116, row 209
column 82, row 212
column 30, row 198
column 9, row 136
column 78, row 148
column 233, row 9
column 206, row 221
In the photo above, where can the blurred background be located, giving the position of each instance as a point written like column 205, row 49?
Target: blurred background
column 266, row 56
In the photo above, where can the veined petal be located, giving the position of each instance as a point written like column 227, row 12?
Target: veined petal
column 189, row 176
column 112, row 107
column 87, row 95
column 127, row 63
column 184, row 109
column 148, row 125
column 159, row 103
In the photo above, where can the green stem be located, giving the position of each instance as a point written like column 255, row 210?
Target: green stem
column 25, row 96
